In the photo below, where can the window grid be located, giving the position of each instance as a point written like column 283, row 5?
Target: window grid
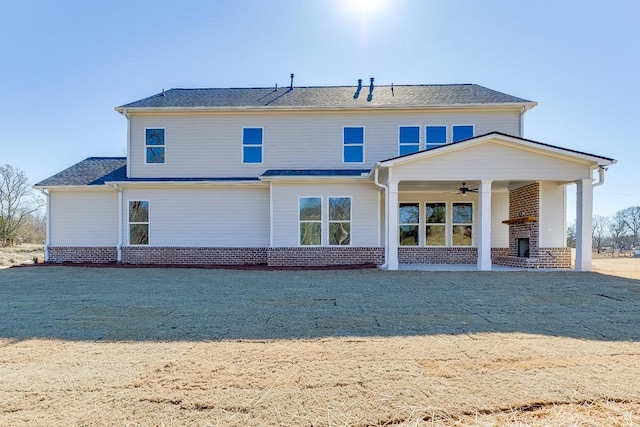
column 353, row 144
column 154, row 145
column 138, row 222
column 408, row 140
column 252, row 145
column 435, row 136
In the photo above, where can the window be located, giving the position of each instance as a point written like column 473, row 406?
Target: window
column 139, row 222
column 353, row 145
column 436, row 136
column 409, row 224
column 154, row 145
column 408, row 140
column 436, row 224
column 462, row 132
column 310, row 219
column 251, row 145
column 339, row 221
column 462, row 224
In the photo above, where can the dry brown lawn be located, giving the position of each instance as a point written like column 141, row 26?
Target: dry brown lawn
column 479, row 379
column 20, row 254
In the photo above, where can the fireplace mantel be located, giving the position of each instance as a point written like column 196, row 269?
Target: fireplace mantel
column 520, row 219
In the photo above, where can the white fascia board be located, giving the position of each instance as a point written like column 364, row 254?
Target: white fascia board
column 524, row 144
column 512, row 105
column 74, row 187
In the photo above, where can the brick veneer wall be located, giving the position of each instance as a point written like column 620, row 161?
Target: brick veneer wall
column 324, row 256
column 193, row 255
column 524, row 201
column 456, row 255
column 545, row 258
column 83, row 254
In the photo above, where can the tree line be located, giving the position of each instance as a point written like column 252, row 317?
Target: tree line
column 22, row 219
column 618, row 232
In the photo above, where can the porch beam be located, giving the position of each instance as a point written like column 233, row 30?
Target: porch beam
column 584, row 224
column 484, row 235
column 392, row 225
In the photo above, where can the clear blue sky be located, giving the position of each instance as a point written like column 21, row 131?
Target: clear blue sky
column 66, row 64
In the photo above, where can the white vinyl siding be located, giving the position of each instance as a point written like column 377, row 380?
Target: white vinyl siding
column 234, row 216
column 553, row 214
column 206, row 144
column 84, row 218
column 364, row 205
column 491, row 161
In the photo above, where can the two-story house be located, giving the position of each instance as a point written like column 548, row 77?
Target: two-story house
column 308, row 176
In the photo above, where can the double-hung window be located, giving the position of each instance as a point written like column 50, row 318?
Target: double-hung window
column 435, row 136
column 408, row 140
column 310, row 220
column 461, row 132
column 139, row 222
column 154, row 145
column 409, row 216
column 353, row 145
column 252, row 145
column 462, row 224
column 435, row 224
column 339, row 221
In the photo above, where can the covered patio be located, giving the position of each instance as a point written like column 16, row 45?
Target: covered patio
column 492, row 200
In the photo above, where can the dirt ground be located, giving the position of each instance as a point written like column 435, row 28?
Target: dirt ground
column 83, row 346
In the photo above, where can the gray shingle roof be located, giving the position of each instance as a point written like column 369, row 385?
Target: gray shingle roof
column 90, row 171
column 316, row 172
column 327, row 96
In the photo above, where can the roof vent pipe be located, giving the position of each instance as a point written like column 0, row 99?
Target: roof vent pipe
column 357, row 94
column 291, row 87
column 370, row 97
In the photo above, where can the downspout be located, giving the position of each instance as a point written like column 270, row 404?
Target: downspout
column 47, row 238
column 601, row 171
column 386, row 215
column 524, row 110
column 128, row 116
column 119, row 247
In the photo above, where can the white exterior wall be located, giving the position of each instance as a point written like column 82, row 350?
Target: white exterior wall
column 491, row 161
column 233, row 216
column 552, row 215
column 365, row 228
column 84, row 218
column 205, row 145
column 499, row 212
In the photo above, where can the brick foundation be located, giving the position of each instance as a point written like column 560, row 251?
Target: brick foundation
column 324, row 256
column 82, row 254
column 193, row 255
column 423, row 255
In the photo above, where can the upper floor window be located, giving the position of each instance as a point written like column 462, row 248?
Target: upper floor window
column 251, row 145
column 436, row 136
column 154, row 145
column 408, row 140
column 353, row 145
column 339, row 221
column 462, row 132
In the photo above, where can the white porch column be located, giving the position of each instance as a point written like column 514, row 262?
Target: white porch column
column 392, row 225
column 484, row 221
column 584, row 224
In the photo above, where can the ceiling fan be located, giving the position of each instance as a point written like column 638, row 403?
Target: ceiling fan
column 464, row 189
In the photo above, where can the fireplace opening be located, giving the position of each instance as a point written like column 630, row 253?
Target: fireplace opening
column 523, row 247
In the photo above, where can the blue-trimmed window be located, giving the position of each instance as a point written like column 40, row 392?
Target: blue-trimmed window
column 436, row 136
column 154, row 145
column 353, row 145
column 462, row 132
column 252, row 145
column 408, row 140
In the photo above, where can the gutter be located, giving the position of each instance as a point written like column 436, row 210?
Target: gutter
column 386, row 215
column 47, row 239
column 120, row 231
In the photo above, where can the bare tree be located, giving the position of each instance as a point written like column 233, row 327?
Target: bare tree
column 17, row 203
column 617, row 230
column 631, row 218
column 571, row 235
column 600, row 228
